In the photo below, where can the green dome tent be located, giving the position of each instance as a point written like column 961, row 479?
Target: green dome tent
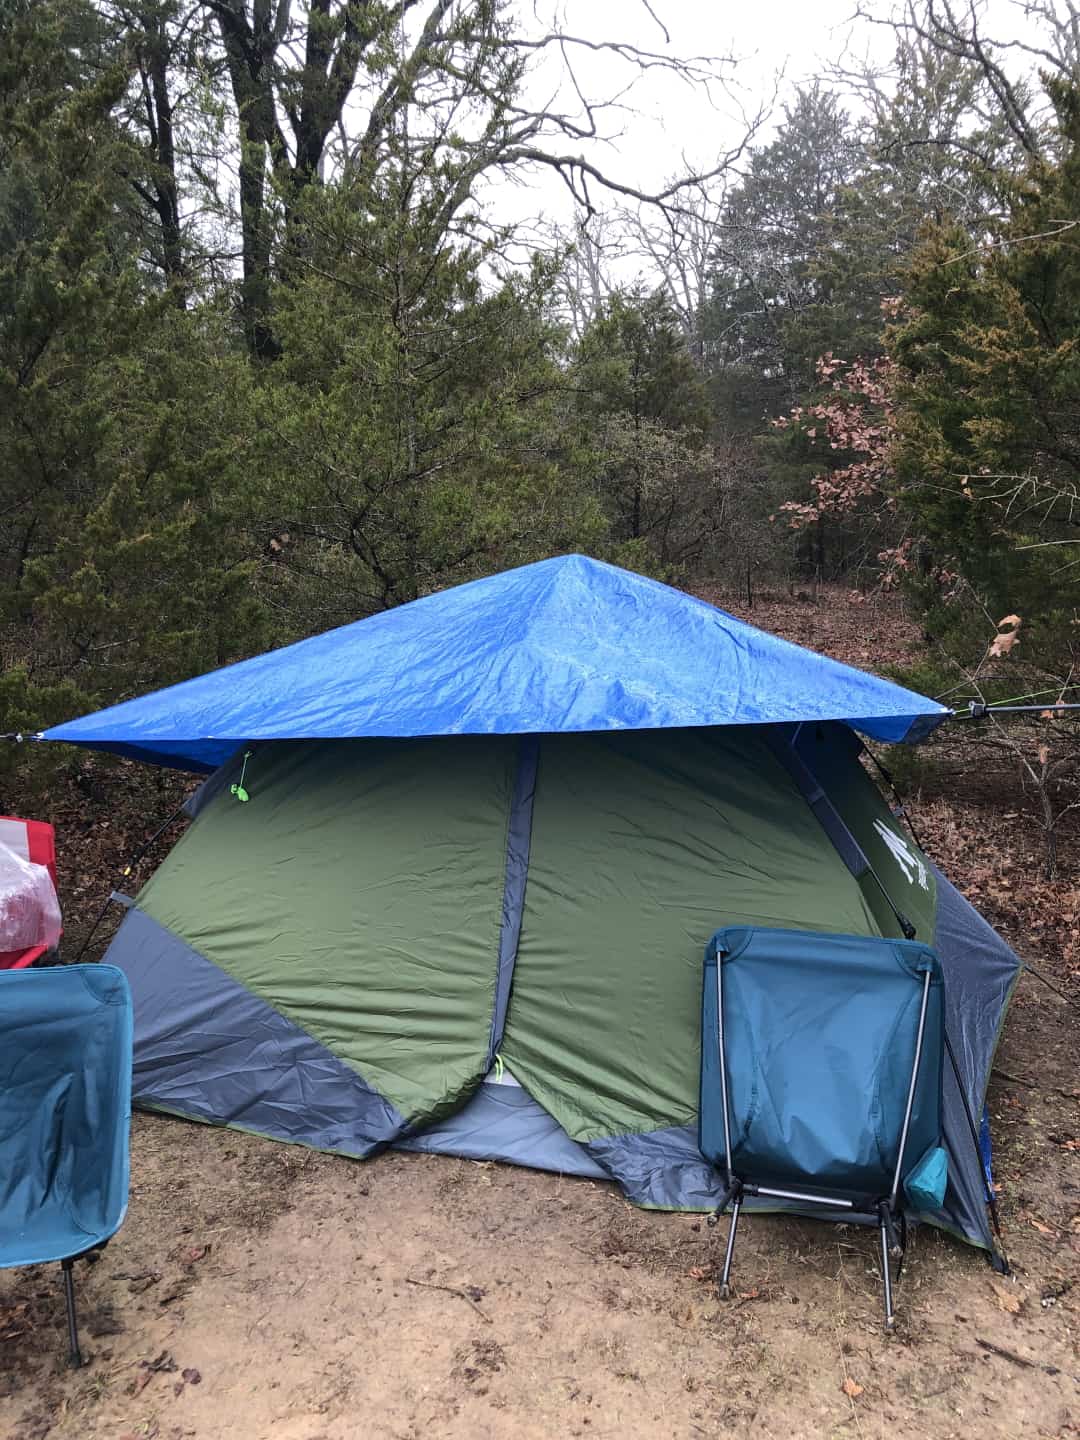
column 454, row 867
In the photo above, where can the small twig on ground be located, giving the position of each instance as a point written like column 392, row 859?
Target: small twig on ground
column 1016, row 1359
column 1016, row 1079
column 451, row 1290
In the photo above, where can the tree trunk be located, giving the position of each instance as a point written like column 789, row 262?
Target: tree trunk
column 250, row 47
column 333, row 45
column 160, row 115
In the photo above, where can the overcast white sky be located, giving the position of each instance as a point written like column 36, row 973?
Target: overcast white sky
column 668, row 125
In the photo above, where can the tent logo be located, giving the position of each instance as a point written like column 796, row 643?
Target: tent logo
column 909, row 862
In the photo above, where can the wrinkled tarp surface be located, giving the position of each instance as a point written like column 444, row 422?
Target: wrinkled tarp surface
column 568, row 644
column 65, row 1107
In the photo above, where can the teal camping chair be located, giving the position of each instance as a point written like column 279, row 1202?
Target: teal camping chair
column 821, row 1066
column 65, row 1112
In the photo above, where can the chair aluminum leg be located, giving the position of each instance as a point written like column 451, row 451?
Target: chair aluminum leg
column 725, row 1287
column 74, row 1353
column 886, row 1277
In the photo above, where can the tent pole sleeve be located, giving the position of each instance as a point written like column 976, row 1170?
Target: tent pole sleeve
column 518, row 841
column 832, row 822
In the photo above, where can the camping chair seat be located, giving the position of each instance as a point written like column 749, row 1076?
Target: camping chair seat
column 65, row 1109
column 821, row 1072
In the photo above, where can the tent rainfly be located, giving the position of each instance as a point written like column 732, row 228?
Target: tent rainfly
column 487, row 837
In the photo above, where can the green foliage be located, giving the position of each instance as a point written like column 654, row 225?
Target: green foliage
column 119, row 567
column 172, row 505
column 987, row 463
column 816, row 241
column 408, row 436
column 643, row 414
column 229, row 420
column 789, row 280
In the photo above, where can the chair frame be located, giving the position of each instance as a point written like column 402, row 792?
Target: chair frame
column 882, row 1211
column 75, row 1355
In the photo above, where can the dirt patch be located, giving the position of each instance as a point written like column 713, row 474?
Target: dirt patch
column 872, row 631
column 545, row 1306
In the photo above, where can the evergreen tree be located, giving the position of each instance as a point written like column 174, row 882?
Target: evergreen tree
column 644, row 408
column 779, row 294
column 408, row 435
column 987, row 460
column 114, row 453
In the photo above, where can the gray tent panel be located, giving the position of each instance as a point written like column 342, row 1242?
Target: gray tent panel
column 660, row 1169
column 504, row 1122
column 208, row 1048
column 980, row 972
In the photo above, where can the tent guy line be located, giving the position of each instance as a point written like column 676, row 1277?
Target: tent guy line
column 975, row 711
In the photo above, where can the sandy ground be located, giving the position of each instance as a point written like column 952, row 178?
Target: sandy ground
column 260, row 1290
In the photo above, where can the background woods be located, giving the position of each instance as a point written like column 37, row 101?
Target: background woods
column 273, row 355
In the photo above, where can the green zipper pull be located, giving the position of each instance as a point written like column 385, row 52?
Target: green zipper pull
column 238, row 789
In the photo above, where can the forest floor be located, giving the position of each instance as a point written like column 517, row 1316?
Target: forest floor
column 262, row 1292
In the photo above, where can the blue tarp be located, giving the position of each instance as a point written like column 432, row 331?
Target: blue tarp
column 568, row 644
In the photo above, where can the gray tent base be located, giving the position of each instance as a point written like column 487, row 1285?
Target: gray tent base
column 503, row 1122
column 210, row 1049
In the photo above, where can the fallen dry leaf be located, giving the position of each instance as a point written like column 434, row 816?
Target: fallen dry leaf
column 1005, row 641
column 1006, row 1298
column 851, row 1388
column 701, row 1272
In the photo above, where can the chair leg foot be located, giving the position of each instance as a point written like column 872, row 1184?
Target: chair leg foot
column 725, row 1278
column 886, row 1277
column 74, row 1353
